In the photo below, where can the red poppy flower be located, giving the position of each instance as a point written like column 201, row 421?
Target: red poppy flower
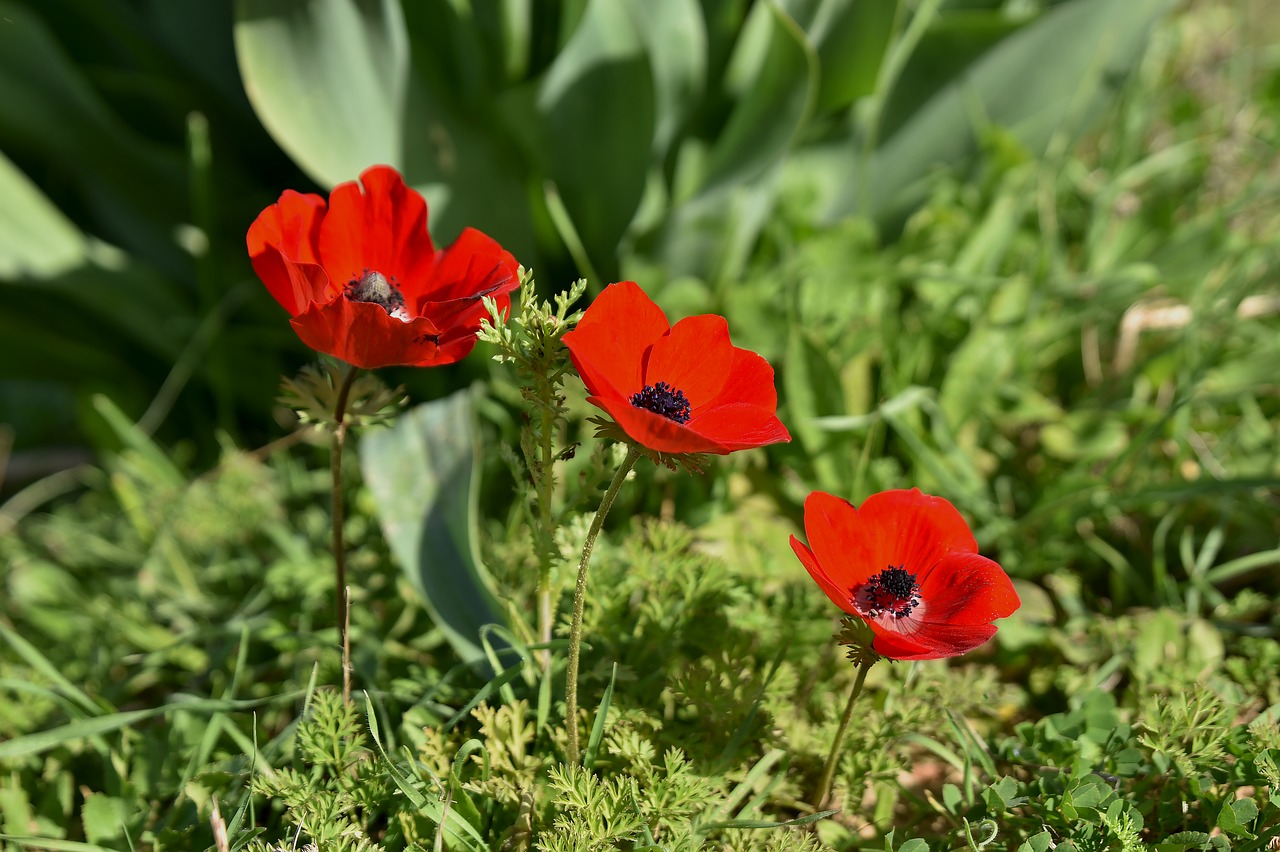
column 907, row 564
column 673, row 389
column 362, row 280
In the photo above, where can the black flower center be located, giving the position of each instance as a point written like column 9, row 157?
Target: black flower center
column 663, row 399
column 893, row 591
column 374, row 287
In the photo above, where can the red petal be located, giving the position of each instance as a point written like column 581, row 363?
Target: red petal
column 966, row 588
column 740, row 427
column 383, row 228
column 655, row 431
column 693, row 357
column 470, row 269
column 473, row 266
column 365, row 335
column 914, row 530
column 839, row 596
column 933, row 641
column 896, row 646
column 750, row 380
column 285, row 234
column 610, row 344
column 847, row 548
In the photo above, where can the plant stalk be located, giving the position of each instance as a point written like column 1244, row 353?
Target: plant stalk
column 338, row 518
column 833, row 759
column 579, row 596
column 546, row 489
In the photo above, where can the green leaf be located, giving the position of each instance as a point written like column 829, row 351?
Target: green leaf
column 597, row 109
column 494, row 685
column 1235, row 816
column 813, row 390
column 1054, row 75
column 51, row 112
column 423, row 473
column 327, row 78
column 851, row 37
column 35, row 238
column 675, row 43
column 602, row 717
column 774, row 74
column 1041, row 842
column 81, row 729
column 103, row 817
column 459, row 833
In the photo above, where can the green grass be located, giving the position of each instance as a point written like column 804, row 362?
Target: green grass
column 1078, row 350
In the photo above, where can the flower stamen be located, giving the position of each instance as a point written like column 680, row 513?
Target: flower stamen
column 893, row 591
column 663, row 399
column 373, row 286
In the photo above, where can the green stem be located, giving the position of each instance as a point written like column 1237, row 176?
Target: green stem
column 338, row 514
column 579, row 595
column 833, row 759
column 546, row 484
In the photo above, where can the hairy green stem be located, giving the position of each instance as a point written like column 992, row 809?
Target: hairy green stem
column 546, row 487
column 338, row 516
column 833, row 759
column 579, row 595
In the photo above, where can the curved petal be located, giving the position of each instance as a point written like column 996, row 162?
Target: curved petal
column 365, row 335
column 750, row 380
column 933, row 641
column 474, row 265
column 448, row 349
column 740, row 426
column 916, row 529
column 655, row 431
column 838, row 595
column 469, row 276
column 847, row 547
column 286, row 234
column 613, row 339
column 966, row 588
column 694, row 357
column 383, row 228
column 897, row 646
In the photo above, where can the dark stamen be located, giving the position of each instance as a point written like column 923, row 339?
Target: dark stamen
column 892, row 591
column 374, row 287
column 663, row 399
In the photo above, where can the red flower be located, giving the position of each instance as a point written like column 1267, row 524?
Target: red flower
column 673, row 389
column 363, row 281
column 906, row 564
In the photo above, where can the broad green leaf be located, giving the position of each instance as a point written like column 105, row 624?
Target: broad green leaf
column 465, row 143
column 851, row 37
column 596, row 106
column 422, row 471
column 328, row 79
column 954, row 40
column 36, row 240
column 851, row 47
column 675, row 41
column 52, row 267
column 1052, row 76
column 50, row 112
column 774, row 75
